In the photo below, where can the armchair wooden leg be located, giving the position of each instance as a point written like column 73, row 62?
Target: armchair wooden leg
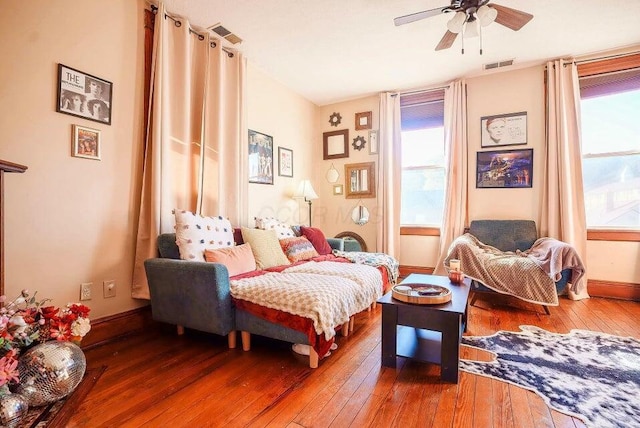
column 246, row 340
column 180, row 330
column 313, row 358
column 231, row 338
column 352, row 323
column 546, row 309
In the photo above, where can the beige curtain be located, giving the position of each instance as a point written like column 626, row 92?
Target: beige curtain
column 389, row 172
column 456, row 174
column 194, row 157
column 563, row 213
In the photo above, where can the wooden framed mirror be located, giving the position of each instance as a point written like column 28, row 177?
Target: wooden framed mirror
column 360, row 180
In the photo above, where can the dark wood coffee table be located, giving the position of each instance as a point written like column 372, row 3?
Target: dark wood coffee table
column 429, row 333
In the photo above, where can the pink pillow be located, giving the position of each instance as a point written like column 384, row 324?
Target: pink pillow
column 298, row 248
column 317, row 238
column 238, row 259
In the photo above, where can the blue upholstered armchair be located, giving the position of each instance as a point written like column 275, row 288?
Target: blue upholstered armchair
column 509, row 235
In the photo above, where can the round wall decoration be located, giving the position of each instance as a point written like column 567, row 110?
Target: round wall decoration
column 335, row 119
column 359, row 143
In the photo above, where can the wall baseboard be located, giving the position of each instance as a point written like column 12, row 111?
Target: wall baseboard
column 614, row 290
column 112, row 327
column 596, row 287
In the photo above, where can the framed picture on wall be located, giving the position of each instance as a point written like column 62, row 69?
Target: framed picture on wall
column 285, row 162
column 503, row 130
column 85, row 142
column 83, row 95
column 504, row 169
column 260, row 158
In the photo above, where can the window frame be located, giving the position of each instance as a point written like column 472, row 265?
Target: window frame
column 407, row 100
column 595, row 67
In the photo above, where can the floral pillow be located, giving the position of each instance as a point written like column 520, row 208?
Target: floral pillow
column 282, row 230
column 195, row 233
column 298, row 248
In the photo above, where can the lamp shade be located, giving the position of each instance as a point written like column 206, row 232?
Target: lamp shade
column 486, row 15
column 455, row 24
column 305, row 190
column 471, row 29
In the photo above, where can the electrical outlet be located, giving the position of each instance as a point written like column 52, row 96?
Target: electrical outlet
column 109, row 289
column 85, row 290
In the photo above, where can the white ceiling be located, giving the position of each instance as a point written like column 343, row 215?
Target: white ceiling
column 334, row 50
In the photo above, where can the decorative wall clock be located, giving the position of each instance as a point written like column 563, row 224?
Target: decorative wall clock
column 335, row 119
column 359, row 143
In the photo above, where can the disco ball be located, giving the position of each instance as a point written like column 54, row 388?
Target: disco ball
column 13, row 407
column 50, row 371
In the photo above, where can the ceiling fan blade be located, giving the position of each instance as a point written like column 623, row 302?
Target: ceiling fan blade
column 401, row 20
column 511, row 18
column 447, row 40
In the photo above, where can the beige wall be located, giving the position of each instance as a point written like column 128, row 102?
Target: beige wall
column 289, row 118
column 332, row 212
column 70, row 220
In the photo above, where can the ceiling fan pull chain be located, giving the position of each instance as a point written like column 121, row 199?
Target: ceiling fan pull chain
column 463, row 28
column 480, row 31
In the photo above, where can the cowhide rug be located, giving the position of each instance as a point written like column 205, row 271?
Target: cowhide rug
column 590, row 375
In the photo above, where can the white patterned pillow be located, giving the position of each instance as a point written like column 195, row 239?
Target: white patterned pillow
column 195, row 233
column 282, row 230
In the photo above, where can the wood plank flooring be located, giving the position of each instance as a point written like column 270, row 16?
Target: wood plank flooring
column 159, row 379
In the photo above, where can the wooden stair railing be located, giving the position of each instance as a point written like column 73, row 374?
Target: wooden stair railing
column 5, row 167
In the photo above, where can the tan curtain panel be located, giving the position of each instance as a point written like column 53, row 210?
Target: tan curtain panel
column 563, row 213
column 456, row 176
column 193, row 153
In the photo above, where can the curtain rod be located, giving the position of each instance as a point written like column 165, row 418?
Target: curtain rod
column 201, row 37
column 418, row 91
column 607, row 57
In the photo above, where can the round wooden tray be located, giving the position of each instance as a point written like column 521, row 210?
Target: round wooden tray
column 421, row 294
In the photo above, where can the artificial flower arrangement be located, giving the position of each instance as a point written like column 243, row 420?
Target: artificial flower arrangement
column 26, row 322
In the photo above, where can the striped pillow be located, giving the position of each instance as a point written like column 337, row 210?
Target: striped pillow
column 298, row 248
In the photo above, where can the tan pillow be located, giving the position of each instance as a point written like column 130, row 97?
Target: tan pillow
column 265, row 246
column 237, row 259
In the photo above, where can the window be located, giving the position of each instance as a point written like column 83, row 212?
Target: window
column 423, row 168
column 610, row 112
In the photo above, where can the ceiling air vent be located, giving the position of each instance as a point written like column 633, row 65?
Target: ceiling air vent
column 225, row 34
column 498, row 64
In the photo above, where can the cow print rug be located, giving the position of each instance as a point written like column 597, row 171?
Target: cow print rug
column 590, row 375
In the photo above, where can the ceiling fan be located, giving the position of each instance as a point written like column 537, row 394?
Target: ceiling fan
column 469, row 17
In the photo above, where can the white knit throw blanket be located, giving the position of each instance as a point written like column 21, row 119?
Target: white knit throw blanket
column 328, row 293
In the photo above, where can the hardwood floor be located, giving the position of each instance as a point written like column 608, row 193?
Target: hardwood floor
column 161, row 379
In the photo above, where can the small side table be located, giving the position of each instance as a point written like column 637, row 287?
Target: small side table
column 429, row 333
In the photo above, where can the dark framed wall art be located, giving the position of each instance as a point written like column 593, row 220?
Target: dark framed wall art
column 503, row 130
column 83, row 95
column 504, row 169
column 260, row 158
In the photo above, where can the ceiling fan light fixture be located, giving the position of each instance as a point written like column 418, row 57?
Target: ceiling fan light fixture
column 471, row 29
column 486, row 15
column 456, row 23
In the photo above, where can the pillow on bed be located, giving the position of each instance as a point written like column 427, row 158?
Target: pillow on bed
column 195, row 233
column 265, row 246
column 298, row 248
column 317, row 238
column 282, row 230
column 237, row 259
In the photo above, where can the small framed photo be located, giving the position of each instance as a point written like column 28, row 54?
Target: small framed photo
column 504, row 169
column 503, row 130
column 85, row 142
column 338, row 189
column 373, row 142
column 285, row 162
column 260, row 158
column 363, row 120
column 83, row 95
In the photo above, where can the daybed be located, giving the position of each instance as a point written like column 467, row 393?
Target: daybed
column 198, row 295
column 506, row 256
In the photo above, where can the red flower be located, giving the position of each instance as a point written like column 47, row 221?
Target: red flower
column 49, row 312
column 79, row 310
column 60, row 331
